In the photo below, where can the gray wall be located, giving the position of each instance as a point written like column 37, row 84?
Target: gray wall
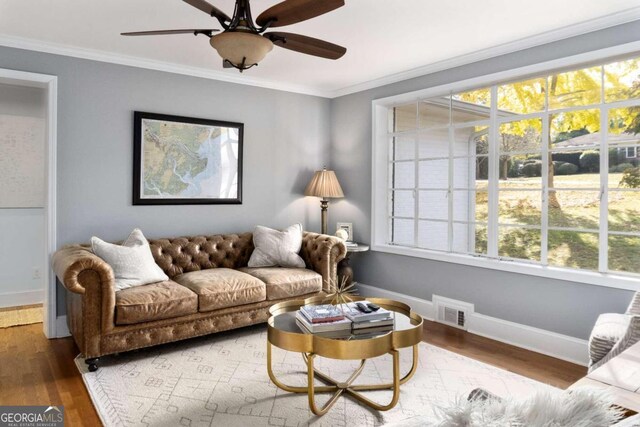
column 286, row 139
column 564, row 307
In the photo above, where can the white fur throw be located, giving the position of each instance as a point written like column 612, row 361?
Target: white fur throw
column 582, row 407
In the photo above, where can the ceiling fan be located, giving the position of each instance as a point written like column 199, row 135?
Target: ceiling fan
column 244, row 43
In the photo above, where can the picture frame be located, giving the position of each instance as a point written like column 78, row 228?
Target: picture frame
column 348, row 227
column 186, row 161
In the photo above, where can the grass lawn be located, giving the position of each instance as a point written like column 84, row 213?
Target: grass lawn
column 578, row 198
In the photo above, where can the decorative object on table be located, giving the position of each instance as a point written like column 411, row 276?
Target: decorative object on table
column 244, row 43
column 344, row 266
column 324, row 184
column 342, row 234
column 275, row 248
column 613, row 333
column 340, row 291
column 186, row 161
column 348, row 227
column 132, row 262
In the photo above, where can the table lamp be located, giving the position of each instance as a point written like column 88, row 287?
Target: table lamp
column 324, row 184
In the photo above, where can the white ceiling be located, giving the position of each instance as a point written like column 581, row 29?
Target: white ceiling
column 383, row 37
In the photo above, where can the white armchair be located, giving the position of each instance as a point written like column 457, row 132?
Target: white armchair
column 614, row 333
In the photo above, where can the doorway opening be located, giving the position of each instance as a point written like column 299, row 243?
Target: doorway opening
column 28, row 104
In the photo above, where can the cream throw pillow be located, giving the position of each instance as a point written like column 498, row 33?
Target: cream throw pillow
column 274, row 248
column 132, row 262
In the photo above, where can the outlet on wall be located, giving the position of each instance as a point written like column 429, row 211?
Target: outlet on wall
column 37, row 273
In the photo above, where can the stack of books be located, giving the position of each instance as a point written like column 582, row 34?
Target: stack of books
column 355, row 318
column 378, row 320
column 322, row 319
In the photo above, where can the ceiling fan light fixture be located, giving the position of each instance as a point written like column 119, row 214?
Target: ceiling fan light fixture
column 242, row 49
column 244, row 41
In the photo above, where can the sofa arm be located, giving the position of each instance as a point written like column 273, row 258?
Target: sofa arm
column 634, row 306
column 70, row 261
column 322, row 253
column 631, row 336
column 90, row 307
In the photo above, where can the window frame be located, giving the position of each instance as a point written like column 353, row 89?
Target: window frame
column 380, row 172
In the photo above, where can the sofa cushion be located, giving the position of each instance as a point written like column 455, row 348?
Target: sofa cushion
column 162, row 300
column 286, row 282
column 609, row 329
column 223, row 287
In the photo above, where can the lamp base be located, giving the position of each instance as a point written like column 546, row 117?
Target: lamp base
column 324, row 205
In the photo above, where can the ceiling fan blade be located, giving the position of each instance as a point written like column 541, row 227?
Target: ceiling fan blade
column 308, row 45
column 168, row 32
column 292, row 11
column 209, row 9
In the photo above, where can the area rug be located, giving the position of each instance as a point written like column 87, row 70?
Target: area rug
column 17, row 316
column 221, row 380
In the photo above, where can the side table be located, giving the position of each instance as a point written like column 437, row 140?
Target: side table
column 344, row 266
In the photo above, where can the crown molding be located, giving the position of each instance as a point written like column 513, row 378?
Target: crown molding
column 169, row 67
column 618, row 18
column 574, row 30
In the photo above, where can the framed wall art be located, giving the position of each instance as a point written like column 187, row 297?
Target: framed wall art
column 186, row 161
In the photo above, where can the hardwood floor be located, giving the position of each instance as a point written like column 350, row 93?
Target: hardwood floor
column 37, row 371
column 527, row 363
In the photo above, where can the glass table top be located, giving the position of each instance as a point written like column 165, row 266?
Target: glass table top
column 287, row 322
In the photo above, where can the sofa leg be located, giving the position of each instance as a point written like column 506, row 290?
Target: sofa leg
column 92, row 364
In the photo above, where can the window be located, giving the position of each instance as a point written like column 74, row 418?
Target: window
column 631, row 153
column 527, row 171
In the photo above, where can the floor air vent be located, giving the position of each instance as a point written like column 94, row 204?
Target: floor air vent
column 452, row 312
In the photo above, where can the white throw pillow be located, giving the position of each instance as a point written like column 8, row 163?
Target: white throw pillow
column 274, row 248
column 132, row 262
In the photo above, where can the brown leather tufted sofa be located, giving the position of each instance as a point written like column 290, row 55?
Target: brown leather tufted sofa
column 211, row 289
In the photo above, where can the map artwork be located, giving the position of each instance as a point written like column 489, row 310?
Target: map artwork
column 180, row 160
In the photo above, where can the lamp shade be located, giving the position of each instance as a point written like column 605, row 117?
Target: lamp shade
column 237, row 46
column 324, row 184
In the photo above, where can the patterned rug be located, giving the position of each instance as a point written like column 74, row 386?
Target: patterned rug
column 221, row 380
column 17, row 316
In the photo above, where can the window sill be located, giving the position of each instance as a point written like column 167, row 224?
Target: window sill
column 586, row 277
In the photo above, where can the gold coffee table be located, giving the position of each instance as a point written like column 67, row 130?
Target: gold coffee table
column 284, row 333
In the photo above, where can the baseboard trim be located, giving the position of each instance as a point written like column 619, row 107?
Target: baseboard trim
column 552, row 344
column 15, row 299
column 421, row 306
column 62, row 330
